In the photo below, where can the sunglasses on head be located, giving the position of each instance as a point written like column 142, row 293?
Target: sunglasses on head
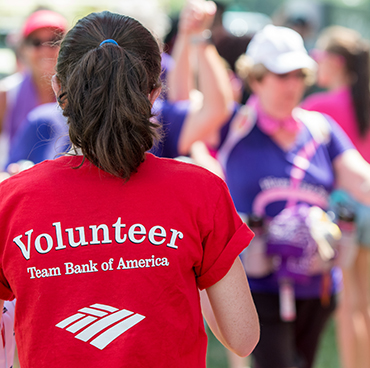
column 37, row 43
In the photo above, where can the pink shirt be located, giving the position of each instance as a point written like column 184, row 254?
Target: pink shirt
column 338, row 104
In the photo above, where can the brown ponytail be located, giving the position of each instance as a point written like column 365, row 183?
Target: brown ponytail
column 360, row 91
column 105, row 90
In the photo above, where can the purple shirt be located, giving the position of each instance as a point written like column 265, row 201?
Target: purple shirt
column 44, row 135
column 258, row 169
column 20, row 101
column 171, row 116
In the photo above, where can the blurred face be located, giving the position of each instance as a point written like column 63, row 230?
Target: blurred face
column 40, row 53
column 330, row 66
column 279, row 94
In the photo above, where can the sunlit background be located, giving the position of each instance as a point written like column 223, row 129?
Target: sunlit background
column 242, row 17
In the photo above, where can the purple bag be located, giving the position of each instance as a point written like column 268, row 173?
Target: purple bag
column 289, row 234
column 290, row 242
column 299, row 239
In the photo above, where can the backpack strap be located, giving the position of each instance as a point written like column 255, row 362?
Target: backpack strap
column 240, row 126
column 316, row 123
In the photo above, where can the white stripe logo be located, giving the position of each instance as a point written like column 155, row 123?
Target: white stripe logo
column 92, row 320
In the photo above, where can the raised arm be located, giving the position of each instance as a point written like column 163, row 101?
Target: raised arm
column 2, row 109
column 193, row 50
column 180, row 79
column 353, row 175
column 230, row 312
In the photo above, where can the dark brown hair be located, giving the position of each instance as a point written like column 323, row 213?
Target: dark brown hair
column 355, row 51
column 104, row 90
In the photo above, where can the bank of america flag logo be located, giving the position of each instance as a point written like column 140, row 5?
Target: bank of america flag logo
column 100, row 323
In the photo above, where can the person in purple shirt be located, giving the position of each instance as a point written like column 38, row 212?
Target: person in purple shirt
column 278, row 157
column 39, row 48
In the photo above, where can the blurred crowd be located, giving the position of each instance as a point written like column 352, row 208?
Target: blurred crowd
column 286, row 128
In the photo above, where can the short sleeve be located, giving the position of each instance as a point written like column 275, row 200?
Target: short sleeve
column 227, row 239
column 339, row 141
column 5, row 290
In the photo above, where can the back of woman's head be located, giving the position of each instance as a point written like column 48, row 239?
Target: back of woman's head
column 105, row 90
column 354, row 50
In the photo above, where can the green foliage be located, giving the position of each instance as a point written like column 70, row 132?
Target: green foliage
column 327, row 356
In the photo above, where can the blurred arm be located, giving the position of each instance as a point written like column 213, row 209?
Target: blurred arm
column 180, row 78
column 215, row 85
column 2, row 108
column 196, row 16
column 353, row 175
column 212, row 78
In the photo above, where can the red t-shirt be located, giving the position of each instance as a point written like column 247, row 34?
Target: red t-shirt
column 106, row 272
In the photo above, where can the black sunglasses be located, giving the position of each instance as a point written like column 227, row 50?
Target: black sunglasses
column 36, row 42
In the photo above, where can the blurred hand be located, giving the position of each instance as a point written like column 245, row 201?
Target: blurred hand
column 196, row 16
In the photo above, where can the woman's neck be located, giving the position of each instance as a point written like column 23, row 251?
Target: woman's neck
column 285, row 139
column 283, row 131
column 271, row 123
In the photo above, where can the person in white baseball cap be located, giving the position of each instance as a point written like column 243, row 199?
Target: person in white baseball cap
column 277, row 69
column 280, row 50
column 278, row 156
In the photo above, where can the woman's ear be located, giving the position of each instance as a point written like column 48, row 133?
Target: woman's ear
column 154, row 94
column 55, row 84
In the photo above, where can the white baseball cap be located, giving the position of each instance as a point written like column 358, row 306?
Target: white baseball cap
column 280, row 50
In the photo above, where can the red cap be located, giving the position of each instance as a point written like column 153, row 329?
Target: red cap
column 44, row 19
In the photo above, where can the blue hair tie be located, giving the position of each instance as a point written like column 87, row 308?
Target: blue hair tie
column 109, row 40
